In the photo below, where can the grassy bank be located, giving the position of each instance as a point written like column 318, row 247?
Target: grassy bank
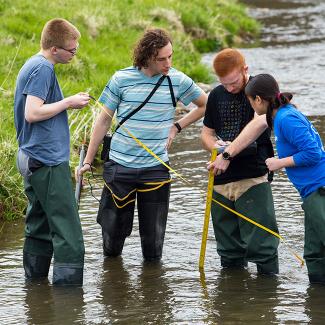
column 109, row 30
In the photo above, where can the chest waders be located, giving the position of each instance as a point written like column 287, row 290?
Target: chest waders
column 123, row 186
column 239, row 241
column 53, row 227
column 314, row 249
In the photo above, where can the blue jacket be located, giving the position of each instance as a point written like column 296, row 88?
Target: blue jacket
column 296, row 136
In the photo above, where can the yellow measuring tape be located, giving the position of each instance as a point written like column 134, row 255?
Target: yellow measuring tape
column 262, row 227
column 141, row 144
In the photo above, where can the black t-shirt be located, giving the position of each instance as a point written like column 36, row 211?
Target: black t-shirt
column 228, row 114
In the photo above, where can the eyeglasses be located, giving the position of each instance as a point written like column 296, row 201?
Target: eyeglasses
column 72, row 51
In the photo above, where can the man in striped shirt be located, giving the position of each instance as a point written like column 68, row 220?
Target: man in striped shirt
column 132, row 173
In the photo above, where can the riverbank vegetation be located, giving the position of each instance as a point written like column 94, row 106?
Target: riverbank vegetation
column 109, row 30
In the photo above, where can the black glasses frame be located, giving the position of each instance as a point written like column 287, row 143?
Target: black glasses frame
column 72, row 51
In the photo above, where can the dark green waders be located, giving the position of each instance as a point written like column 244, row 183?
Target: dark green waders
column 314, row 250
column 53, row 227
column 239, row 241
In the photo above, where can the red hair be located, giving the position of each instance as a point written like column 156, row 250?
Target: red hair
column 227, row 60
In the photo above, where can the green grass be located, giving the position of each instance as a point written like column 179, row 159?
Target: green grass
column 109, row 31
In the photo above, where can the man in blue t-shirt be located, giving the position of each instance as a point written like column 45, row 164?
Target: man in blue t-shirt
column 41, row 122
column 132, row 172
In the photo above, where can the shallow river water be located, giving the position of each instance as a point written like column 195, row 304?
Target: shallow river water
column 127, row 291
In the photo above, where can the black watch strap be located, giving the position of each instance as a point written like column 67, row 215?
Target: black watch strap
column 178, row 127
column 226, row 156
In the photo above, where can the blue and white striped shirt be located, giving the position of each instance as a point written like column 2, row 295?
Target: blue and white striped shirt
column 125, row 91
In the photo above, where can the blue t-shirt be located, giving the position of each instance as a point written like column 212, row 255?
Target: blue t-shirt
column 295, row 136
column 47, row 141
column 126, row 90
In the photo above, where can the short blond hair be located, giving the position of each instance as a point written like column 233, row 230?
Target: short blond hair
column 57, row 32
column 227, row 60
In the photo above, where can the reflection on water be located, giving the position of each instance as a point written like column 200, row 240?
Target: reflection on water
column 315, row 302
column 53, row 305
column 147, row 297
column 236, row 292
column 127, row 291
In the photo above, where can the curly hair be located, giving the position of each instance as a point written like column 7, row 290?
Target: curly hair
column 149, row 45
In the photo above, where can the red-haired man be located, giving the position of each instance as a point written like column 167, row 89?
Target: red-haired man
column 243, row 186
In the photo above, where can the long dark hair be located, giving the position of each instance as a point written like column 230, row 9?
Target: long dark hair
column 266, row 87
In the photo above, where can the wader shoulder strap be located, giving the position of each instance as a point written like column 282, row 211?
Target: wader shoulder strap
column 171, row 91
column 108, row 137
column 144, row 103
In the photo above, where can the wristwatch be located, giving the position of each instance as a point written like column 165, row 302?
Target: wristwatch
column 178, row 127
column 226, row 156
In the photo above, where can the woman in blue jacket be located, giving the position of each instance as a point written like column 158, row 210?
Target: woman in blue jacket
column 301, row 153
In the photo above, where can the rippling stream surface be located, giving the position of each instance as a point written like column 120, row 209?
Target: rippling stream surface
column 127, row 291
